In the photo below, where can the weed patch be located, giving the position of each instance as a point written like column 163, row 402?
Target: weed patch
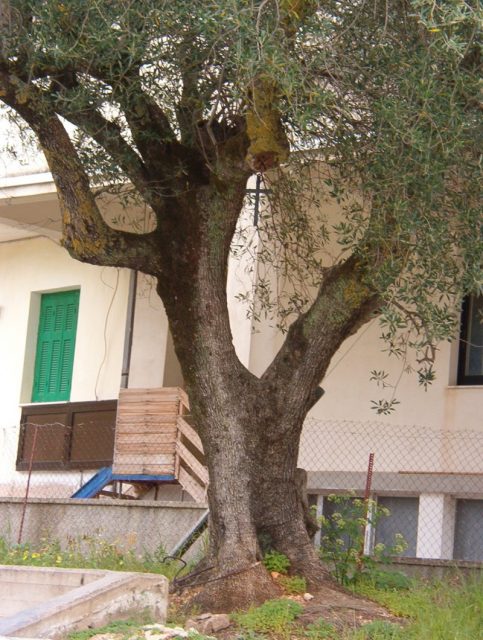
column 342, row 538
column 321, row 630
column 273, row 617
column 125, row 627
column 436, row 611
column 293, row 584
column 379, row 630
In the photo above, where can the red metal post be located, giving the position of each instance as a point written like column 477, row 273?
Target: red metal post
column 367, row 493
column 370, row 468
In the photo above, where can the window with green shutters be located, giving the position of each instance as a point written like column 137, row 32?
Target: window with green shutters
column 54, row 359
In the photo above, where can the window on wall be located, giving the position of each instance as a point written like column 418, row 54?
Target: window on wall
column 470, row 362
column 74, row 435
column 468, row 541
column 403, row 519
column 54, row 357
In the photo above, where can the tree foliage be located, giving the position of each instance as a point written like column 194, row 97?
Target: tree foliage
column 378, row 98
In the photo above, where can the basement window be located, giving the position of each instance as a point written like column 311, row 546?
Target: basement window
column 468, row 541
column 402, row 519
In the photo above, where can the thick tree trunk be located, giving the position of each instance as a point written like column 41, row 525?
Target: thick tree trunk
column 255, row 500
column 250, row 432
column 280, row 506
column 235, row 573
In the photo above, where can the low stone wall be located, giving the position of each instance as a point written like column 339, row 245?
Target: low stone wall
column 433, row 569
column 141, row 526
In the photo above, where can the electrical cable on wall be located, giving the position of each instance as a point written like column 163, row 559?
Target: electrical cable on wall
column 106, row 321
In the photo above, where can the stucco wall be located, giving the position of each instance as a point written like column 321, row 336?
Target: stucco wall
column 150, row 335
column 349, row 390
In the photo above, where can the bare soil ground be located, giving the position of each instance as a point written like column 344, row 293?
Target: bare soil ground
column 332, row 603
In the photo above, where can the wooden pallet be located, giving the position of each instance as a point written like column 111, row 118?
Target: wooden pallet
column 153, row 437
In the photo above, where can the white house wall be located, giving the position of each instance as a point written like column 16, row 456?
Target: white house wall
column 434, row 431
column 347, row 384
column 431, row 430
column 27, row 269
column 31, row 267
column 150, row 337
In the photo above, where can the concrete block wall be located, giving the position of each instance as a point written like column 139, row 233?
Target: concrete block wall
column 131, row 525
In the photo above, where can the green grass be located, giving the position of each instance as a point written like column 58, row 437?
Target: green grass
column 401, row 602
column 87, row 552
column 437, row 611
column 295, row 585
column 320, row 630
column 378, row 630
column 450, row 614
column 127, row 628
column 433, row 611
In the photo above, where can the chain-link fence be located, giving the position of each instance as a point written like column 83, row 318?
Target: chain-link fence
column 429, row 481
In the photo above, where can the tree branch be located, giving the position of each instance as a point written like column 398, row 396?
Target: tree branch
column 108, row 135
column 86, row 235
column 343, row 304
column 149, row 125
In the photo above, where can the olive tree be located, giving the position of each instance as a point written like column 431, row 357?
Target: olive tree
column 175, row 105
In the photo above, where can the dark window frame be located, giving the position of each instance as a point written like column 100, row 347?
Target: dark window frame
column 462, row 377
column 70, row 410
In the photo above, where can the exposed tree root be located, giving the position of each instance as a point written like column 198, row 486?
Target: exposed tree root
column 253, row 586
column 230, row 591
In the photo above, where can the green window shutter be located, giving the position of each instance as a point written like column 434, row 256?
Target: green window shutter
column 54, row 359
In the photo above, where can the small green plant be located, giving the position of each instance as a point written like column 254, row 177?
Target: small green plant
column 275, row 561
column 125, row 627
column 342, row 538
column 321, row 630
column 379, row 630
column 294, row 584
column 273, row 616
